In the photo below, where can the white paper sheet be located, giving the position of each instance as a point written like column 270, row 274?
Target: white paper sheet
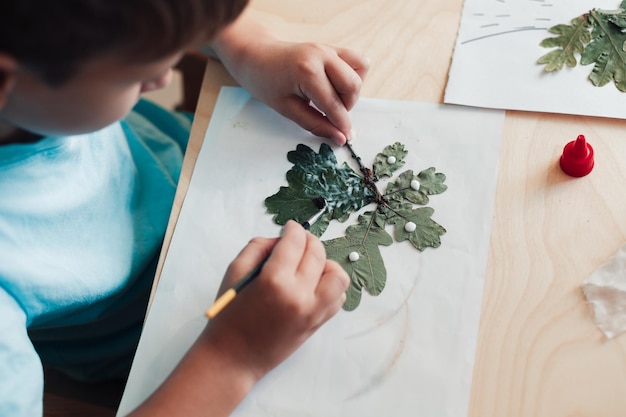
column 409, row 351
column 494, row 60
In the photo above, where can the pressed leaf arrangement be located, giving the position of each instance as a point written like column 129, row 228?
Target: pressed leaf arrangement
column 597, row 37
column 402, row 207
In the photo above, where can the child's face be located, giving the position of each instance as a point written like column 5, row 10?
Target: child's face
column 102, row 92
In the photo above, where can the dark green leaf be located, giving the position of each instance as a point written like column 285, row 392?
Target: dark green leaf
column 317, row 175
column 606, row 52
column 291, row 203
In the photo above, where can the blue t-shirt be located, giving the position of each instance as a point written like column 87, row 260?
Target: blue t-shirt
column 82, row 220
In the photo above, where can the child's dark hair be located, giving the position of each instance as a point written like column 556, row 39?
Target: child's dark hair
column 54, row 37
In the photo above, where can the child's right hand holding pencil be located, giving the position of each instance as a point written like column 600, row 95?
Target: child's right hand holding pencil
column 296, row 292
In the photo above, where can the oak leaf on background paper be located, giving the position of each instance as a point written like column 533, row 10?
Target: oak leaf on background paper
column 572, row 38
column 599, row 38
column 606, row 50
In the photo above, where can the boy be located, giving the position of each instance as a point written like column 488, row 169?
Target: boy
column 85, row 197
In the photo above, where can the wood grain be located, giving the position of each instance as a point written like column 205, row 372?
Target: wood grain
column 539, row 353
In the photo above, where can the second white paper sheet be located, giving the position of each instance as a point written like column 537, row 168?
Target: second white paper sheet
column 494, row 64
column 409, row 351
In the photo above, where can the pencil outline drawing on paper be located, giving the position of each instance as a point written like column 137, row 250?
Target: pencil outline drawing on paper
column 501, row 22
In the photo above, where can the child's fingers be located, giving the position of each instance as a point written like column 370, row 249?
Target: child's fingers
column 248, row 258
column 299, row 262
column 336, row 90
column 287, row 253
column 300, row 111
column 345, row 80
column 332, row 286
column 357, row 62
column 311, row 264
column 323, row 95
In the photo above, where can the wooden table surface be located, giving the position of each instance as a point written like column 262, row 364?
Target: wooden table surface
column 539, row 353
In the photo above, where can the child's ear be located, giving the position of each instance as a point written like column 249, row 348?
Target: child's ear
column 8, row 66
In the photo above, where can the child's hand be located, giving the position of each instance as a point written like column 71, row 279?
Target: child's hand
column 289, row 76
column 297, row 290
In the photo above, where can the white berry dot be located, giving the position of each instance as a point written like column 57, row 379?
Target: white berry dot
column 415, row 184
column 410, row 227
column 391, row 160
column 354, row 256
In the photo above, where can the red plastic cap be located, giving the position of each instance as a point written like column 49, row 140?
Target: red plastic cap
column 577, row 158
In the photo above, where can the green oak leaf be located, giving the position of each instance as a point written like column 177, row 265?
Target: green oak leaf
column 369, row 270
column 382, row 166
column 427, row 232
column 606, row 51
column 431, row 181
column 317, row 175
column 599, row 37
column 401, row 190
column 572, row 38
